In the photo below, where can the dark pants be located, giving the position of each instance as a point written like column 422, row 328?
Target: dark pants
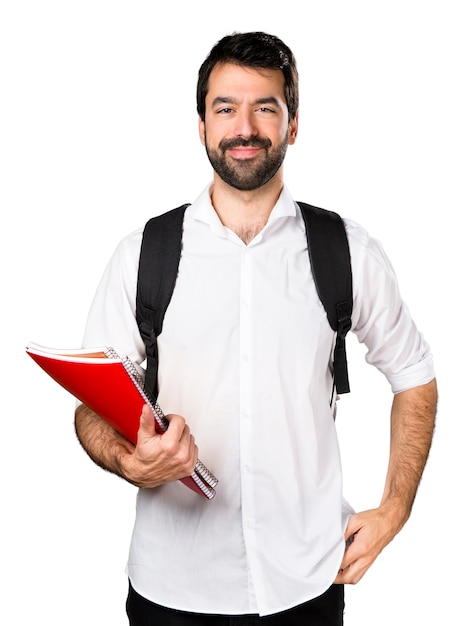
column 327, row 610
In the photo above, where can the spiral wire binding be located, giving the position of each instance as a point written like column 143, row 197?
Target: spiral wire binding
column 202, row 475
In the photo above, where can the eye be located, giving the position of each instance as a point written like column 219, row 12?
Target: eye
column 266, row 110
column 224, row 111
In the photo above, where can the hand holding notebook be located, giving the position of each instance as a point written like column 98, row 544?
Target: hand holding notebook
column 112, row 387
column 158, row 458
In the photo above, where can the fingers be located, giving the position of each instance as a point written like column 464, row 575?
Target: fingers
column 354, row 525
column 180, row 443
column 147, row 426
column 351, row 573
column 341, row 577
column 176, row 432
column 366, row 535
column 163, row 458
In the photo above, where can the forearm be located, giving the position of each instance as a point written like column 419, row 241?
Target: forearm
column 412, row 425
column 105, row 446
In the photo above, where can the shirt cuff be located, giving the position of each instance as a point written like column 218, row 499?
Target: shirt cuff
column 418, row 374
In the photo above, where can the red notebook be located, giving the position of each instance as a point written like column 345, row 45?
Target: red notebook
column 112, row 387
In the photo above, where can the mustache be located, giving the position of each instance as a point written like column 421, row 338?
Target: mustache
column 240, row 142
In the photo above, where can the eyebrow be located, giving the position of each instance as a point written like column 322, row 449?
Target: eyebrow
column 229, row 100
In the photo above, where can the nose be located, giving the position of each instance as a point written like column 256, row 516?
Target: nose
column 245, row 125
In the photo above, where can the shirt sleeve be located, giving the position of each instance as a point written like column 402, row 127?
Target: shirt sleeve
column 112, row 316
column 381, row 320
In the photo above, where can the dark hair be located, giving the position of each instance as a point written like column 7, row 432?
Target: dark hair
column 257, row 50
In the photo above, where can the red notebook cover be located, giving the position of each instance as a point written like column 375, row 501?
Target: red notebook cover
column 111, row 390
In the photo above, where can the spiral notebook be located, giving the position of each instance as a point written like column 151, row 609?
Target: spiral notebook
column 112, row 387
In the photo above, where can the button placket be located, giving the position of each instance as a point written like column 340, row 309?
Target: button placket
column 246, row 383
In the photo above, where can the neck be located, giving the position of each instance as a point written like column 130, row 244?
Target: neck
column 245, row 212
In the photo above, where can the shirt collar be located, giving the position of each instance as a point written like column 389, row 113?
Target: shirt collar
column 202, row 209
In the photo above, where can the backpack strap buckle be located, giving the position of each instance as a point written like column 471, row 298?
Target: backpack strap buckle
column 344, row 319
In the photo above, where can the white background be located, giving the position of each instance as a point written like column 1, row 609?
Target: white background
column 99, row 133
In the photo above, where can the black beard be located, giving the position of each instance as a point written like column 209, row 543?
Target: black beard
column 245, row 174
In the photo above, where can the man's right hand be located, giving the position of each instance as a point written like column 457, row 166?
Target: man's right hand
column 158, row 459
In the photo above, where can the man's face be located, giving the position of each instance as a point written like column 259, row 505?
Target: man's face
column 246, row 129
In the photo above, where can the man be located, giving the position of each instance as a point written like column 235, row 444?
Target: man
column 245, row 369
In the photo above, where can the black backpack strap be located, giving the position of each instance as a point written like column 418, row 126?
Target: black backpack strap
column 158, row 267
column 330, row 260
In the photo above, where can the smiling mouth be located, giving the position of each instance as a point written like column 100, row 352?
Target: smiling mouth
column 244, row 152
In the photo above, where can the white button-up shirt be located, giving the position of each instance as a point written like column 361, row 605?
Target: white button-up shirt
column 245, row 357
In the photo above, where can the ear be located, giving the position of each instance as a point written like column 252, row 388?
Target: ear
column 201, row 130
column 293, row 130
